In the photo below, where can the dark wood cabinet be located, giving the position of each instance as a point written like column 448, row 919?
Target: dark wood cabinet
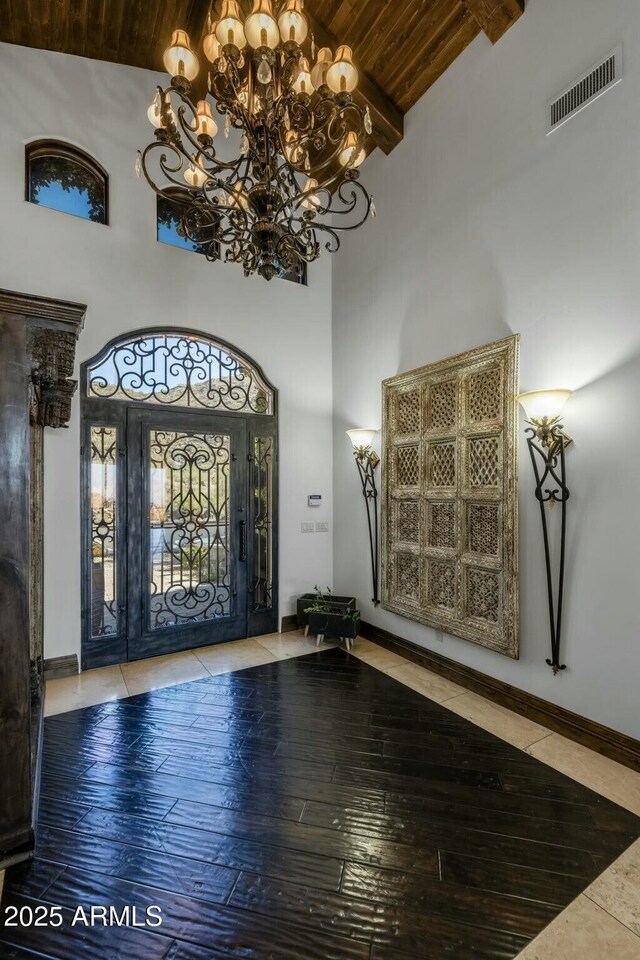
column 37, row 349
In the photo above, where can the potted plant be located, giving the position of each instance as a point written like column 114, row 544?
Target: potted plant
column 307, row 600
column 330, row 619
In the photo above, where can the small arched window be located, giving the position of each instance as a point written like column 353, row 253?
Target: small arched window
column 65, row 178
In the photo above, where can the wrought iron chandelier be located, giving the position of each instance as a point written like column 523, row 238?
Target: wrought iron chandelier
column 294, row 187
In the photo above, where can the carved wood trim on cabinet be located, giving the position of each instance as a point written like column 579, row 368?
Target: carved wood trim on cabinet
column 37, row 344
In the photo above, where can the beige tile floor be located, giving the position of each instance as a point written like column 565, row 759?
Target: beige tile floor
column 601, row 924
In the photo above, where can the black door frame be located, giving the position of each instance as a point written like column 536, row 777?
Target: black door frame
column 113, row 648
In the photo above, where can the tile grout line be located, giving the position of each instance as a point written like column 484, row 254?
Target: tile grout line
column 124, row 680
column 586, row 895
column 608, row 912
column 456, row 696
column 202, row 664
column 536, row 742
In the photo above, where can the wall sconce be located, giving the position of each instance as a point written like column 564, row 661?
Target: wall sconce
column 367, row 460
column 547, row 440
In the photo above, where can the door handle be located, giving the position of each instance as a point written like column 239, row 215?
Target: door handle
column 243, row 541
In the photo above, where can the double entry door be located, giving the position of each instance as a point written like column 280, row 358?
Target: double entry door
column 179, row 533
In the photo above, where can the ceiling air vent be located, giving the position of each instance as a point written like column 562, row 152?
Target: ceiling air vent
column 597, row 81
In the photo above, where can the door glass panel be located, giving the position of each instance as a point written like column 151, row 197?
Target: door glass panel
column 104, row 521
column 189, row 533
column 263, row 522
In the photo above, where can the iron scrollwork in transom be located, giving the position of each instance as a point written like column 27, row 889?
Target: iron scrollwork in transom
column 180, row 370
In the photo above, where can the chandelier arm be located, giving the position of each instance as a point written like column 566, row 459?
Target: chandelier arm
column 332, row 244
column 235, row 82
column 234, row 207
column 351, row 202
column 196, row 210
column 233, row 165
column 326, row 106
column 301, row 114
column 163, row 164
column 200, row 148
column 185, row 126
column 304, row 250
column 341, row 119
column 319, row 207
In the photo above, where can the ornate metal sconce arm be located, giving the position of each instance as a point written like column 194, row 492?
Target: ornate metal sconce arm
column 548, row 460
column 367, row 461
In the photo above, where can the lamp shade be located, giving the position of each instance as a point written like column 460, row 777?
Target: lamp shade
column 179, row 58
column 342, row 76
column 352, row 154
column 303, row 82
column 230, row 28
column 313, row 201
column 194, row 176
column 211, row 45
column 206, row 124
column 293, row 24
column 361, row 437
column 543, row 404
column 321, row 68
column 260, row 27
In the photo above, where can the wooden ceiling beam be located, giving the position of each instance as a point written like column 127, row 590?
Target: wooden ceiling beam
column 496, row 16
column 387, row 119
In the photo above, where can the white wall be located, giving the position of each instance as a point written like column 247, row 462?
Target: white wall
column 487, row 227
column 129, row 281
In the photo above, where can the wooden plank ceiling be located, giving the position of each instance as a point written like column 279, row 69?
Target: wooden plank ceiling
column 400, row 46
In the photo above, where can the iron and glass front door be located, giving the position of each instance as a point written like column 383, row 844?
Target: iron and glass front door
column 186, row 531
column 180, row 505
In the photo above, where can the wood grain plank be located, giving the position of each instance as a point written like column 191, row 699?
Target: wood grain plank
column 441, row 920
column 152, row 868
column 304, row 837
column 313, row 869
column 203, row 923
column 496, row 16
column 452, row 902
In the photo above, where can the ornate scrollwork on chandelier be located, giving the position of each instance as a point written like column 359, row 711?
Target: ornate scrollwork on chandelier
column 294, row 187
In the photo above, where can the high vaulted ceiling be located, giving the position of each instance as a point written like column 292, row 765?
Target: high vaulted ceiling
column 400, row 46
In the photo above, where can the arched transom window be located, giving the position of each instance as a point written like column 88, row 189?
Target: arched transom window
column 183, row 370
column 65, row 178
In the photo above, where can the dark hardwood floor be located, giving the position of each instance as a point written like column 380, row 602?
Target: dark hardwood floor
column 312, row 808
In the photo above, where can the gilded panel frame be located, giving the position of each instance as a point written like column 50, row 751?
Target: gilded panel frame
column 450, row 496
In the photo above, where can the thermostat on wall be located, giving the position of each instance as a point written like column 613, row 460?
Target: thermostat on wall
column 314, row 500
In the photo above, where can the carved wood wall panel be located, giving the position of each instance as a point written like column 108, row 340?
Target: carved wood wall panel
column 450, row 499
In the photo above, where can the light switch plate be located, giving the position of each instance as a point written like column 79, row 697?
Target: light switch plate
column 307, row 526
column 322, row 526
